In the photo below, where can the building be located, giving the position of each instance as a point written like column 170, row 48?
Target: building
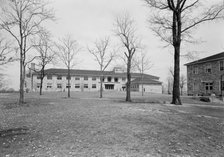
column 89, row 80
column 206, row 76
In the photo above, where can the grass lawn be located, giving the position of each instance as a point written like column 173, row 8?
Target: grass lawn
column 86, row 126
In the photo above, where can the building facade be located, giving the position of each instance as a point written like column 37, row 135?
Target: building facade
column 87, row 80
column 206, row 76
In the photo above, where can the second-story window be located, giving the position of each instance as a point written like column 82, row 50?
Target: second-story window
column 115, row 79
column 38, row 77
column 59, row 77
column 49, row 77
column 68, row 77
column 221, row 65
column 94, row 78
column 77, row 78
column 85, row 77
column 123, row 79
column 208, row 68
column 195, row 70
column 109, row 79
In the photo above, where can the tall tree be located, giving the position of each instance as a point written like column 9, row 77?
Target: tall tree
column 126, row 31
column 22, row 19
column 143, row 64
column 173, row 21
column 43, row 46
column 67, row 50
column 103, row 57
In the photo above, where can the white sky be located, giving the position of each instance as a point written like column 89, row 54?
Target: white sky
column 88, row 20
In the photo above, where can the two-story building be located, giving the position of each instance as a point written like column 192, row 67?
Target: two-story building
column 206, row 76
column 89, row 80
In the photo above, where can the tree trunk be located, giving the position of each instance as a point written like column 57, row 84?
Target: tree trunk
column 101, row 86
column 41, row 85
column 142, row 84
column 69, row 83
column 21, row 90
column 176, row 90
column 128, row 84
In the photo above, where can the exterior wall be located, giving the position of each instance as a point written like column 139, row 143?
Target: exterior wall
column 151, row 88
column 54, row 81
column 196, row 82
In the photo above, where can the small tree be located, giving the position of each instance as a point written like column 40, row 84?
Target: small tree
column 45, row 55
column 143, row 64
column 125, row 30
column 173, row 21
column 103, row 58
column 183, row 82
column 67, row 50
column 22, row 20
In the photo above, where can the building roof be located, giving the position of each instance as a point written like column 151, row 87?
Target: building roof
column 75, row 72
column 208, row 59
column 145, row 80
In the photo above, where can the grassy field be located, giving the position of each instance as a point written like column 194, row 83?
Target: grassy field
column 86, row 126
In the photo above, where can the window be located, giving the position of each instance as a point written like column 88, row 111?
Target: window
column 77, row 85
column 94, row 78
column 109, row 79
column 208, row 68
column 49, row 85
column 123, row 78
column 59, row 77
column 68, row 86
column 195, row 70
column 115, row 79
column 38, row 77
column 221, row 65
column 85, row 77
column 59, row 86
column 68, row 77
column 38, row 85
column 85, row 85
column 93, row 85
column 103, row 80
column 208, row 86
column 77, row 78
column 49, row 77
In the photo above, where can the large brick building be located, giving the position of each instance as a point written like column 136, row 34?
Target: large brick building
column 206, row 76
column 89, row 80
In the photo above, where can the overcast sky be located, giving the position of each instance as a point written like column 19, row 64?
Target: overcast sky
column 88, row 20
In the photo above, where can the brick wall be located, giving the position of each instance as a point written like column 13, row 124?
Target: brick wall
column 196, row 82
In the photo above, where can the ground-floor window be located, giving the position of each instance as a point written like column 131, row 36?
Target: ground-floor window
column 208, row 86
column 59, row 86
column 49, row 85
column 68, row 86
column 85, row 85
column 77, row 85
column 38, row 85
column 93, row 85
column 222, row 85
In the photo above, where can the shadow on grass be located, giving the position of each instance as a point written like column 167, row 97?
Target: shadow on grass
column 14, row 132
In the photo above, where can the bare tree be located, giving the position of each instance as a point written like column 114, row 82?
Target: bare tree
column 173, row 21
column 183, row 82
column 125, row 30
column 143, row 64
column 45, row 55
column 22, row 19
column 103, row 57
column 67, row 50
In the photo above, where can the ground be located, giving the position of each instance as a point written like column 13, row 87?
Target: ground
column 84, row 125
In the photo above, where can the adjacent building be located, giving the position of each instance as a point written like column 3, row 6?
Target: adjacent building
column 89, row 80
column 206, row 76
